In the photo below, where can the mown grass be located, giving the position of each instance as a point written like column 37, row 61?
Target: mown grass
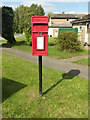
column 83, row 61
column 88, row 52
column 3, row 42
column 64, row 95
column 52, row 48
column 54, row 52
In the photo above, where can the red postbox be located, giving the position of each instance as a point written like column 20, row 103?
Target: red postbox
column 40, row 35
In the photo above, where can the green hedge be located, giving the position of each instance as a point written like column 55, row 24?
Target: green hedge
column 68, row 40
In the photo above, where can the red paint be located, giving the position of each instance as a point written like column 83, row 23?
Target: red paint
column 39, row 25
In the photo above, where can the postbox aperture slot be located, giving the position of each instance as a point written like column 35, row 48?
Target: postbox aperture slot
column 39, row 24
column 40, row 42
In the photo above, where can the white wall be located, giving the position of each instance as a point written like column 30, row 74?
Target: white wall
column 50, row 31
column 86, row 34
column 50, row 21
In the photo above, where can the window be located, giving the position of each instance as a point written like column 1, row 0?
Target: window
column 89, row 25
column 52, row 22
column 67, row 19
column 80, row 28
column 56, row 34
column 72, row 19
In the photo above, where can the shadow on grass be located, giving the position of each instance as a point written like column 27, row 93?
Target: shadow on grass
column 70, row 75
column 8, row 45
column 51, row 44
column 9, row 87
column 20, row 43
column 73, row 51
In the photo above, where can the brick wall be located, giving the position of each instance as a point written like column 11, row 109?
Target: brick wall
column 81, row 35
column 89, row 30
column 54, row 30
column 60, row 20
column 89, row 36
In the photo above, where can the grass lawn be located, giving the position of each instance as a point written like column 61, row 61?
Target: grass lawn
column 88, row 52
column 53, row 52
column 3, row 42
column 83, row 61
column 52, row 49
column 64, row 96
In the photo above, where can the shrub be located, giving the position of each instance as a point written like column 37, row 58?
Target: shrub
column 68, row 40
column 28, row 36
column 52, row 41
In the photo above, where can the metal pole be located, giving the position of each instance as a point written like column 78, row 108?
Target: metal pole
column 40, row 75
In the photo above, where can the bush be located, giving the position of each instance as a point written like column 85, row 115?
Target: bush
column 7, row 24
column 28, row 36
column 52, row 41
column 68, row 40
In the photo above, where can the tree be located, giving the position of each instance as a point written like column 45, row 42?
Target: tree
column 22, row 16
column 19, row 18
column 40, row 11
column 16, row 20
column 33, row 8
column 7, row 24
column 22, row 19
column 0, row 20
column 27, row 19
column 49, row 14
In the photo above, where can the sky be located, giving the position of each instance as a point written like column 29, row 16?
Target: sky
column 56, row 6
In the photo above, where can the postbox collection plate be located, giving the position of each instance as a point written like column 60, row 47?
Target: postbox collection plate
column 39, row 35
column 40, row 42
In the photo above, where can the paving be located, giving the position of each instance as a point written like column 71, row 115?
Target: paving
column 17, row 35
column 1, row 38
column 77, row 58
column 64, row 65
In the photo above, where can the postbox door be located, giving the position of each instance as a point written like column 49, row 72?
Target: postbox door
column 39, row 35
column 40, row 43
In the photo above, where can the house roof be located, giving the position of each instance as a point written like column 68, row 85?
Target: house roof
column 83, row 19
column 61, row 25
column 72, row 16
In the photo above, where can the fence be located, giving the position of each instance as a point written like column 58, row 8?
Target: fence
column 69, row 29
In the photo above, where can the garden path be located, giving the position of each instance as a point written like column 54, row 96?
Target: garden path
column 63, row 65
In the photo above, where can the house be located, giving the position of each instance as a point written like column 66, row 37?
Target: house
column 83, row 26
column 63, row 20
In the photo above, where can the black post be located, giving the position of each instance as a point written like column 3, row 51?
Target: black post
column 40, row 75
